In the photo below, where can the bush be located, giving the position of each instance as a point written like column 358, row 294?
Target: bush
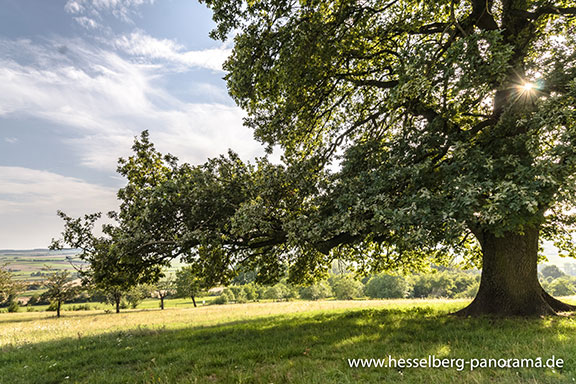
column 136, row 294
column 346, row 288
column 80, row 307
column 250, row 292
column 441, row 284
column 386, row 286
column 227, row 296
column 241, row 296
column 277, row 292
column 281, row 292
column 471, row 291
column 562, row 286
column 13, row 306
column 320, row 290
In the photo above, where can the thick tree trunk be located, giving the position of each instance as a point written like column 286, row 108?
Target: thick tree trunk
column 194, row 301
column 509, row 285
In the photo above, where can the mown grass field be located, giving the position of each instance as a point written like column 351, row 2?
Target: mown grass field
column 294, row 342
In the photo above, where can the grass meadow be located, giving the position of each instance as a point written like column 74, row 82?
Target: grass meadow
column 288, row 342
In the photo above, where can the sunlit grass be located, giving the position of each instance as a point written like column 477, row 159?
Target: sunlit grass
column 289, row 342
column 30, row 327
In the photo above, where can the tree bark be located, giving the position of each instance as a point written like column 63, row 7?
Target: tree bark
column 117, row 300
column 161, row 302
column 194, row 301
column 58, row 306
column 509, row 285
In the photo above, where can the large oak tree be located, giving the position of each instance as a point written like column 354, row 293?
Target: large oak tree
column 449, row 118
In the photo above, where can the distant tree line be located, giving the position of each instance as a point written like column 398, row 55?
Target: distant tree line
column 438, row 284
column 61, row 287
column 556, row 282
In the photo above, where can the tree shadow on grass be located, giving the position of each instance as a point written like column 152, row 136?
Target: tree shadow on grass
column 303, row 348
column 67, row 315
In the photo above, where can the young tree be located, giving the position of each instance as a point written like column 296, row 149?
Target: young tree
column 8, row 287
column 187, row 283
column 346, row 288
column 165, row 288
column 59, row 288
column 107, row 271
column 136, row 294
column 386, row 286
column 316, row 291
column 562, row 286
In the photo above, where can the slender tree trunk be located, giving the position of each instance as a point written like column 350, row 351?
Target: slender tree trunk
column 161, row 302
column 58, row 306
column 194, row 301
column 117, row 300
column 509, row 285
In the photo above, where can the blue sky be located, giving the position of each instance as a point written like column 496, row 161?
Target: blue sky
column 79, row 79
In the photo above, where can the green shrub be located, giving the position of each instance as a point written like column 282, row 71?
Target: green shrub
column 251, row 292
column 470, row 292
column 225, row 297
column 347, row 288
column 320, row 290
column 441, row 284
column 386, row 286
column 562, row 286
column 81, row 307
column 137, row 294
column 276, row 292
column 13, row 306
column 241, row 296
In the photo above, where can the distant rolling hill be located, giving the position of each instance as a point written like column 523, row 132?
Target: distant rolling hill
column 29, row 264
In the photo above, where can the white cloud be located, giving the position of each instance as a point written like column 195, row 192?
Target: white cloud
column 11, row 140
column 30, row 198
column 122, row 9
column 141, row 44
column 107, row 100
column 87, row 22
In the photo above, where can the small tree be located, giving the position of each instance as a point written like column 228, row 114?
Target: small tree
column 138, row 293
column 317, row 291
column 8, row 287
column 562, row 286
column 386, row 286
column 106, row 271
column 251, row 292
column 188, row 284
column 59, row 289
column 225, row 297
column 164, row 288
column 347, row 288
